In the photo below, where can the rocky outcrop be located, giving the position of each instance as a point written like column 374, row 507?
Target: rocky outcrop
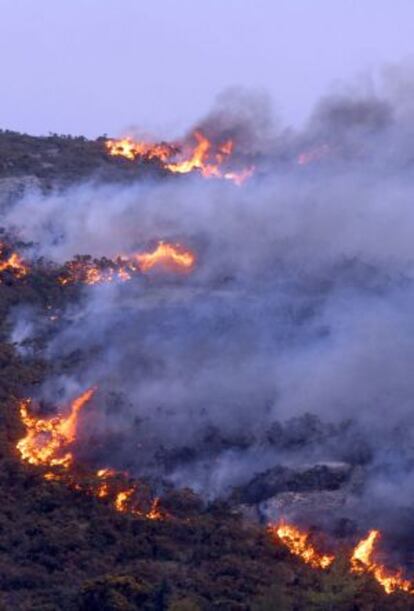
column 303, row 479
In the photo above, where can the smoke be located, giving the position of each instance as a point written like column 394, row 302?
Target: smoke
column 300, row 303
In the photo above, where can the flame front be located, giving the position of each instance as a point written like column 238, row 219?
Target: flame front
column 362, row 562
column 361, row 559
column 201, row 155
column 298, row 543
column 128, row 148
column 47, row 444
column 166, row 256
column 47, row 439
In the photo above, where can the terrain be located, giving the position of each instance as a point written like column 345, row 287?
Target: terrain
column 62, row 547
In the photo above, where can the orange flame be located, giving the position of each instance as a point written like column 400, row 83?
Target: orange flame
column 128, row 148
column 298, row 543
column 171, row 257
column 46, row 444
column 362, row 562
column 201, row 156
column 47, row 439
column 13, row 263
column 124, row 503
column 168, row 256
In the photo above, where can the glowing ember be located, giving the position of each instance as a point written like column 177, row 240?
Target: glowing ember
column 202, row 156
column 12, row 263
column 170, row 257
column 362, row 562
column 298, row 543
column 124, row 502
column 47, row 443
column 47, row 439
column 87, row 271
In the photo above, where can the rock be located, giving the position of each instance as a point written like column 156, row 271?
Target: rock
column 316, row 502
column 281, row 479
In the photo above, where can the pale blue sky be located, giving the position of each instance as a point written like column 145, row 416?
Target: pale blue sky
column 95, row 66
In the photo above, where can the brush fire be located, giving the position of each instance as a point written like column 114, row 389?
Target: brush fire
column 165, row 257
column 48, row 443
column 197, row 154
column 12, row 262
column 361, row 560
column 237, row 365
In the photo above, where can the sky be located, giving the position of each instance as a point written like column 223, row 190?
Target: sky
column 96, row 67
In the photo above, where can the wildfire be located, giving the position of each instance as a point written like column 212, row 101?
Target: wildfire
column 47, row 439
column 122, row 499
column 362, row 562
column 47, row 444
column 129, row 149
column 361, row 559
column 89, row 271
column 298, row 542
column 12, row 263
column 167, row 256
column 201, row 155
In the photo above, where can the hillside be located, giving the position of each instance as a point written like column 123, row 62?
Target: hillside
column 62, row 547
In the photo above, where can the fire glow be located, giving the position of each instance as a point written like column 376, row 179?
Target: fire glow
column 165, row 257
column 201, row 155
column 47, row 444
column 361, row 559
column 12, row 263
column 298, row 543
column 47, row 439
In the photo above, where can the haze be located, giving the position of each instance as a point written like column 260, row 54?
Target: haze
column 91, row 67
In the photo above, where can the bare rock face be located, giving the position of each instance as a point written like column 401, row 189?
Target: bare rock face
column 281, row 479
column 287, row 503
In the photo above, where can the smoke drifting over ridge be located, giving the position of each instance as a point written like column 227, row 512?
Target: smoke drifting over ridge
column 300, row 303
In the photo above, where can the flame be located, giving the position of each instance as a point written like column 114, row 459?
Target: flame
column 47, row 443
column 130, row 149
column 13, row 263
column 155, row 512
column 201, row 155
column 122, row 499
column 171, row 257
column 298, row 543
column 47, row 439
column 89, row 272
column 168, row 256
column 124, row 503
column 362, row 562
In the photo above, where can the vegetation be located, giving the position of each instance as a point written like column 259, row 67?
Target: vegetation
column 63, row 549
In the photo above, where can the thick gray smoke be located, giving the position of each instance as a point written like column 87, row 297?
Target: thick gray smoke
column 292, row 341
